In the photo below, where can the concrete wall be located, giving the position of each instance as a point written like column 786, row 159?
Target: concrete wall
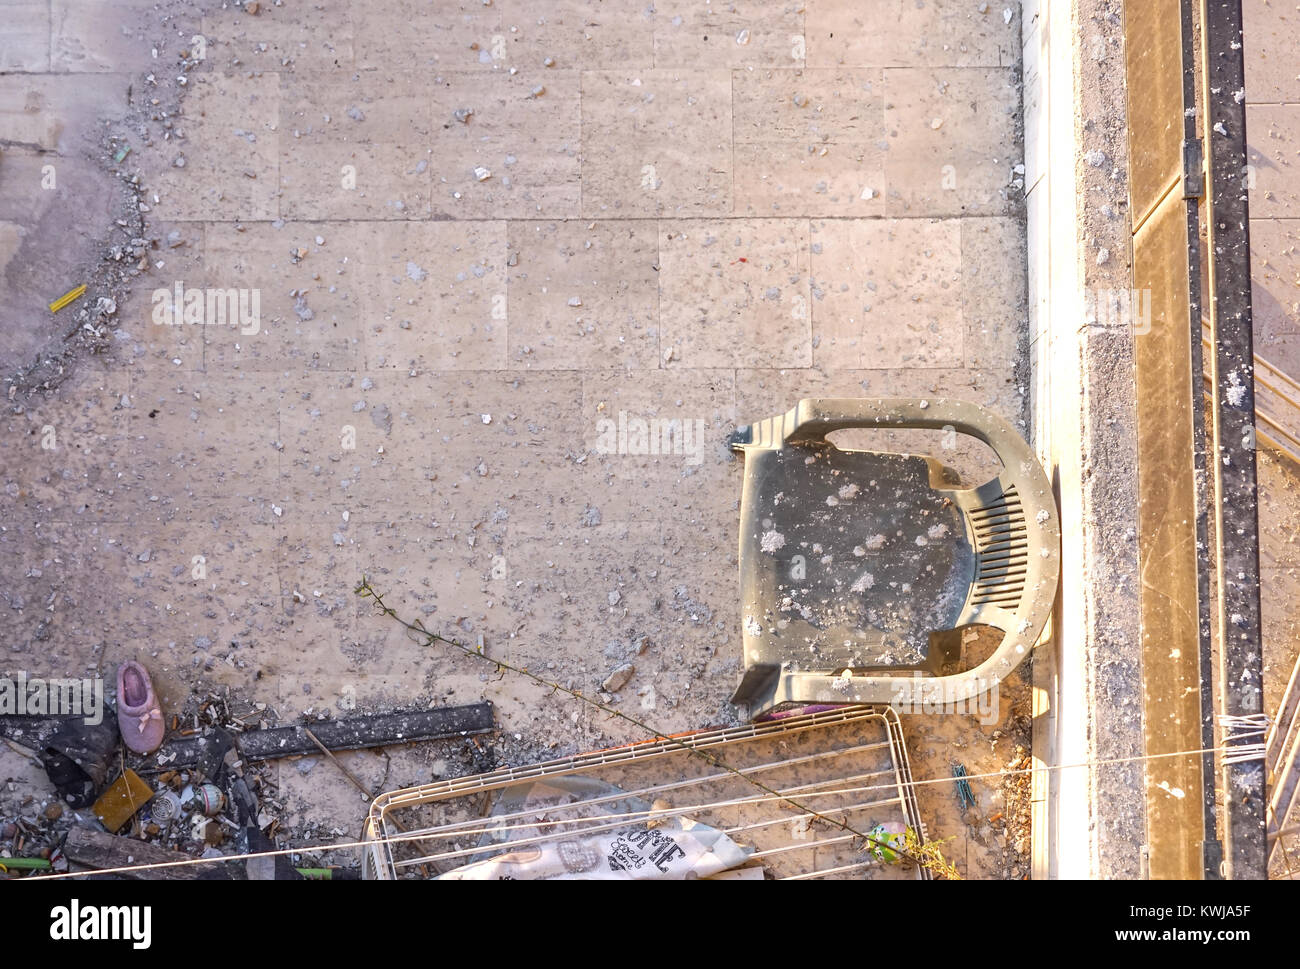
column 1089, row 823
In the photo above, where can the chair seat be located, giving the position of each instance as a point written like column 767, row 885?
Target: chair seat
column 858, row 560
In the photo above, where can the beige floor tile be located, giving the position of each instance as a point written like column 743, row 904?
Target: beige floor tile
column 1273, row 160
column 808, row 106
column 49, row 574
column 1281, row 350
column 62, row 458
column 563, row 585
column 305, row 38
column 355, row 181
column 1279, row 541
column 355, row 148
column 185, row 427
column 655, row 445
column 188, row 588
column 309, row 314
column 208, row 584
column 907, row 33
column 1270, row 30
column 448, row 585
column 516, row 155
column 887, row 293
column 317, row 571
column 500, row 469
column 87, row 36
column 656, row 142
column 165, row 346
column 952, row 141
column 994, row 301
column 230, row 151
column 578, row 34
column 584, row 295
column 26, row 43
column 34, row 109
column 809, row 142
column 749, row 33
column 1275, row 275
column 657, row 607
column 735, row 293
column 432, row 294
column 449, row 35
column 346, row 435
column 691, row 663
column 1281, row 632
column 829, row 181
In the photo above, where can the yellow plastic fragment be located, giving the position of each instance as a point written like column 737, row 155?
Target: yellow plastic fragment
column 68, row 297
column 124, row 797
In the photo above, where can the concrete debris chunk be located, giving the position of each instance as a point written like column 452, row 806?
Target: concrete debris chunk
column 618, row 679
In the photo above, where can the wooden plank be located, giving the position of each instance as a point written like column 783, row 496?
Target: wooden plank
column 95, row 849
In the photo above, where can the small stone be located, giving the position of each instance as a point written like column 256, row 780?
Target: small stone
column 800, row 100
column 742, row 38
column 252, row 8
column 575, row 301
column 936, row 124
column 549, row 62
column 618, row 679
column 463, row 115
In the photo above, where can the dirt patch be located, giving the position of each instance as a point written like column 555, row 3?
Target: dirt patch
column 80, row 216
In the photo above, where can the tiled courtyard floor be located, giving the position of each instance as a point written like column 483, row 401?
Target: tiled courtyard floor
column 476, row 231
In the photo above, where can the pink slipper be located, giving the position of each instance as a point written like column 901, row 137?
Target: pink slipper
column 138, row 714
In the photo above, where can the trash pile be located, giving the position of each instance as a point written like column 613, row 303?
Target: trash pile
column 151, row 794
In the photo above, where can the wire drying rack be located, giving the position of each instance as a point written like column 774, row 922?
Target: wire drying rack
column 848, row 764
